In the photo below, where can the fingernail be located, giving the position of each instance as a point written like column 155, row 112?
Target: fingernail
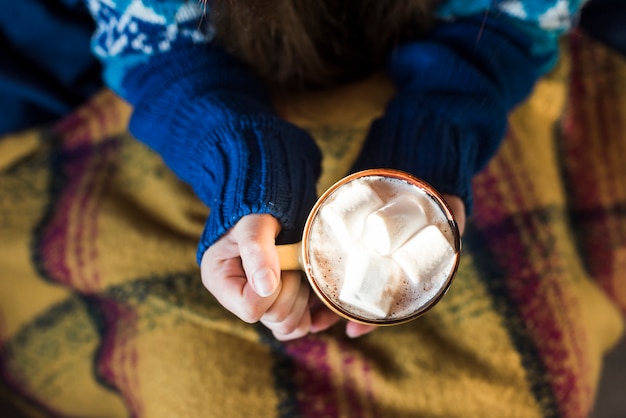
column 264, row 282
column 351, row 333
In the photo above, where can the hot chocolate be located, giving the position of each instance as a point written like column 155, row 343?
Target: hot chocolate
column 381, row 249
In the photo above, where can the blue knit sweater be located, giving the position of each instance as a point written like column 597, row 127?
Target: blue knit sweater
column 213, row 122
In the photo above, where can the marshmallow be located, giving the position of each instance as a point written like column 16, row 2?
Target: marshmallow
column 370, row 283
column 425, row 255
column 345, row 211
column 390, row 226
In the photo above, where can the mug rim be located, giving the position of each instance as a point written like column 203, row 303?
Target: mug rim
column 399, row 175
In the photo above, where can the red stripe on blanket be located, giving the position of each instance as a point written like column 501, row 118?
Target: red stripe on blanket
column 580, row 135
column 331, row 380
column 584, row 132
column 118, row 358
column 594, row 149
column 67, row 245
column 533, row 279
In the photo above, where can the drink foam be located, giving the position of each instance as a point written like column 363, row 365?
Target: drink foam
column 380, row 248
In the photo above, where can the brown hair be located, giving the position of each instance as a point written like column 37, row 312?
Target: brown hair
column 316, row 43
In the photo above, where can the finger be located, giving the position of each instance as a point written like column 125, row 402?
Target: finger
column 289, row 314
column 300, row 331
column 292, row 298
column 256, row 235
column 458, row 209
column 322, row 317
column 226, row 280
column 356, row 329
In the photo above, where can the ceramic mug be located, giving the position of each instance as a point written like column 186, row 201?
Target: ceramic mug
column 379, row 247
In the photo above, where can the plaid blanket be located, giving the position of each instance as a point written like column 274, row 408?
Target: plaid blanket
column 103, row 314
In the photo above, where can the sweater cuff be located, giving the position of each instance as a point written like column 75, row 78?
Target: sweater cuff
column 272, row 169
column 455, row 90
column 426, row 144
column 213, row 124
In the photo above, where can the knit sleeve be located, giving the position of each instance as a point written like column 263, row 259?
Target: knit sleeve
column 454, row 91
column 206, row 114
column 542, row 21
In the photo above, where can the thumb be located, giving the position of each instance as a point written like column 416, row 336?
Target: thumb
column 264, row 281
column 256, row 235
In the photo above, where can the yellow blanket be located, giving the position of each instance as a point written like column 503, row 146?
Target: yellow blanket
column 102, row 312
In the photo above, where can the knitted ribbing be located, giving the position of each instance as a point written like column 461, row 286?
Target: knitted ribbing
column 214, row 126
column 455, row 90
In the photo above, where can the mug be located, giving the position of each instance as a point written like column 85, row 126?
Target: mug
column 379, row 247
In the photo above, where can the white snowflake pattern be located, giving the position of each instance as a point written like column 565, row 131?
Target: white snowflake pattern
column 137, row 28
column 513, row 8
column 557, row 17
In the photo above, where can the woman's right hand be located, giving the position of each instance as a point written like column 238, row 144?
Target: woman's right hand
column 242, row 271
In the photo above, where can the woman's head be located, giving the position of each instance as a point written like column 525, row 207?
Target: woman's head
column 314, row 43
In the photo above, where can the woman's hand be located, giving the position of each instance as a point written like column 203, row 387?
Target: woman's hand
column 242, row 271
